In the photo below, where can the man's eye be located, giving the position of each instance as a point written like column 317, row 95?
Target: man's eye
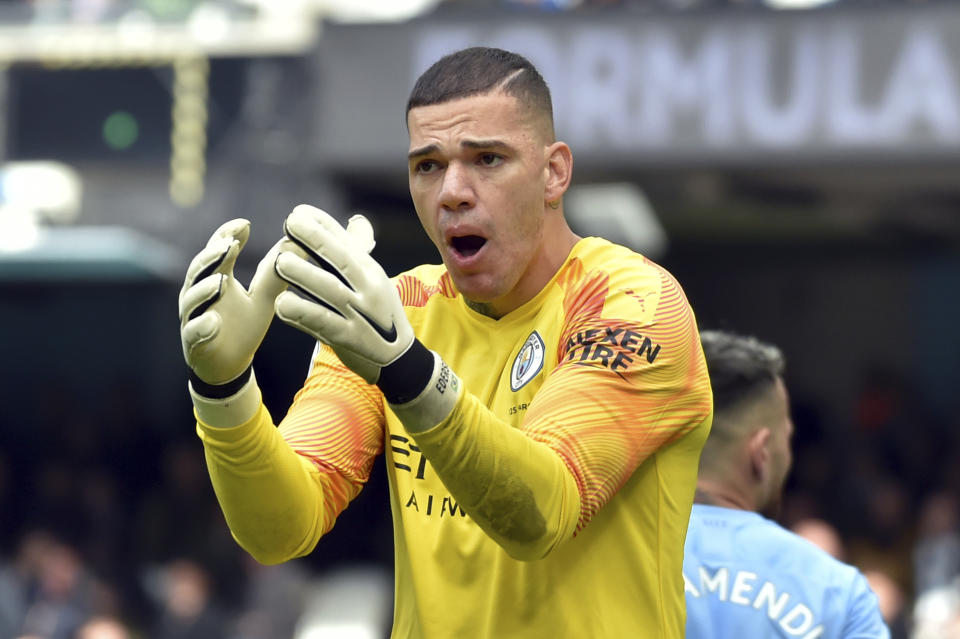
column 426, row 166
column 490, row 159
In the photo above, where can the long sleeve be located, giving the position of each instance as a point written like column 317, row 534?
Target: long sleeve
column 282, row 488
column 516, row 489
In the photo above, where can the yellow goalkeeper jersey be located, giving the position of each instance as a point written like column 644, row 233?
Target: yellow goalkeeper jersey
column 569, row 464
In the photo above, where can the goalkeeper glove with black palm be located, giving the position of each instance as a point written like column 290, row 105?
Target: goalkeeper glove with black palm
column 222, row 324
column 349, row 303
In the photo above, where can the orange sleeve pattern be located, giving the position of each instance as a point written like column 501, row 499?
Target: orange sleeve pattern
column 622, row 387
column 415, row 292
column 336, row 421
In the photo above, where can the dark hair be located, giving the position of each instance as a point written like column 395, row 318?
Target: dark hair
column 740, row 367
column 480, row 70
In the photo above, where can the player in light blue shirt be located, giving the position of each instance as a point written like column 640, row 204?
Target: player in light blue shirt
column 745, row 575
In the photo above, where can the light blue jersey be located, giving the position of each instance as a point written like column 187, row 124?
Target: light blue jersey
column 747, row 577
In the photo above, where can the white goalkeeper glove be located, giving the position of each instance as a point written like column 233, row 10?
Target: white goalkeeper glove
column 222, row 323
column 349, row 303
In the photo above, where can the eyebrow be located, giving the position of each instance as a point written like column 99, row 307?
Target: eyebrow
column 424, row 150
column 469, row 144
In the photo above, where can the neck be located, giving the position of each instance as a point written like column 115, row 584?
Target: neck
column 555, row 249
column 714, row 494
column 483, row 308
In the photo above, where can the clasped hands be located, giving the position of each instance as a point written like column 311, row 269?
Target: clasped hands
column 343, row 298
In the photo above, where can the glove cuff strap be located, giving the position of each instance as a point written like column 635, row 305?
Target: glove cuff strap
column 436, row 400
column 219, row 391
column 404, row 379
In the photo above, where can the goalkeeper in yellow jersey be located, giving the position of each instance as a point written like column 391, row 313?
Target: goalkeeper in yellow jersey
column 541, row 399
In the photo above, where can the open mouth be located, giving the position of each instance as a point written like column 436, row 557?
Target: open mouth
column 467, row 245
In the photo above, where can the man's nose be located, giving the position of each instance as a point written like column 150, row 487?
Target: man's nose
column 456, row 192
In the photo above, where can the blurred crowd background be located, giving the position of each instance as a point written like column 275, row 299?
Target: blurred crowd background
column 825, row 219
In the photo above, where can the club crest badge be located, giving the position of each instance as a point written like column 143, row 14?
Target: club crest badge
column 528, row 363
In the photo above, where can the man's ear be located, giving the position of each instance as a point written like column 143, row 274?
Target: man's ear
column 559, row 170
column 758, row 447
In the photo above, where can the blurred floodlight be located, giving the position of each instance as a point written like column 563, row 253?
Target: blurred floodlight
column 619, row 212
column 375, row 10
column 936, row 613
column 797, row 4
column 82, row 252
column 51, row 190
column 19, row 230
column 353, row 603
column 136, row 26
column 209, row 23
column 337, row 630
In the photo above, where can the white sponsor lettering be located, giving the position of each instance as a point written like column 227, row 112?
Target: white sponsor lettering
column 796, row 620
column 717, row 583
column 598, row 103
column 672, row 84
column 775, row 603
column 790, row 120
column 807, row 84
column 922, row 90
column 741, row 586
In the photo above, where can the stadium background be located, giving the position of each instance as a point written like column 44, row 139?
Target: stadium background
column 798, row 171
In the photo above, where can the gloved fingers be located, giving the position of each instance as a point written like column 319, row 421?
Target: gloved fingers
column 266, row 283
column 316, row 283
column 216, row 257
column 321, row 218
column 323, row 239
column 361, row 232
column 312, row 317
column 312, row 227
column 358, row 233
column 194, row 301
column 237, row 229
column 198, row 332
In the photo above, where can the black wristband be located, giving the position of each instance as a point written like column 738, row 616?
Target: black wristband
column 406, row 378
column 219, row 391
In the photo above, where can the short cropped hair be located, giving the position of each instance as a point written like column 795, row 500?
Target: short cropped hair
column 740, row 367
column 480, row 70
